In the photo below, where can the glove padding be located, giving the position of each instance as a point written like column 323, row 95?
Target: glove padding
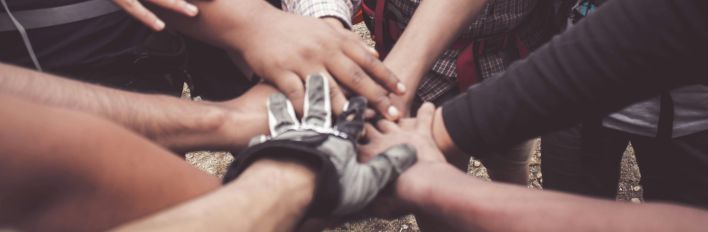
column 344, row 185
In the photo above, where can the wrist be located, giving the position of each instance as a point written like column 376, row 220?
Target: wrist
column 442, row 137
column 289, row 183
column 182, row 126
column 416, row 187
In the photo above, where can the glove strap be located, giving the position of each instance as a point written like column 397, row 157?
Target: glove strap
column 327, row 190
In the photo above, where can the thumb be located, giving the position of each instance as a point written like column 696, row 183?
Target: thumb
column 364, row 182
column 392, row 162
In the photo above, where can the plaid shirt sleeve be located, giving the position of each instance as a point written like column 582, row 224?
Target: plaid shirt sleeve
column 340, row 9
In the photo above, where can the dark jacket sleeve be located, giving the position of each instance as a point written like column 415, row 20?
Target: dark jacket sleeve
column 627, row 51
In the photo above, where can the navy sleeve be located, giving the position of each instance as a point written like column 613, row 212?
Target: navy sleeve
column 627, row 51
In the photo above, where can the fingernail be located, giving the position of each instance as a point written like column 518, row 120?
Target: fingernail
column 159, row 24
column 401, row 87
column 192, row 10
column 393, row 112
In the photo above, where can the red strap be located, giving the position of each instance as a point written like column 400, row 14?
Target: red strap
column 466, row 66
column 521, row 46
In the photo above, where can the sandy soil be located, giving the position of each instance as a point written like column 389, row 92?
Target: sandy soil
column 215, row 163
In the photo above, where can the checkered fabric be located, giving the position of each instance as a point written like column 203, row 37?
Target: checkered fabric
column 341, row 9
column 496, row 19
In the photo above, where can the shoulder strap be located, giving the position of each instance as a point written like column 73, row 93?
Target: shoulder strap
column 47, row 17
column 665, row 126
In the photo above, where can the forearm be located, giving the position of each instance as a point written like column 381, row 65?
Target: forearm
column 176, row 123
column 228, row 24
column 633, row 46
column 270, row 195
column 433, row 27
column 467, row 203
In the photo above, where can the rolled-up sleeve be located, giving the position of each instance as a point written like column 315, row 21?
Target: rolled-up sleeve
column 340, row 9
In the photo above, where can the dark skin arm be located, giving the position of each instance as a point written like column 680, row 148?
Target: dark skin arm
column 284, row 49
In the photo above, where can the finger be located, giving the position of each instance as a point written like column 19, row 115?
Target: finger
column 317, row 107
column 371, row 50
column 369, row 114
column 362, row 55
column 366, row 152
column 376, row 174
column 281, row 115
column 371, row 132
column 179, row 6
column 351, row 121
column 138, row 11
column 291, row 85
column 425, row 117
column 386, row 126
column 336, row 95
column 399, row 158
column 408, row 123
column 352, row 76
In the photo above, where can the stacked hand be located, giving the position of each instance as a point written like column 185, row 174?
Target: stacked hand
column 413, row 131
column 294, row 47
column 345, row 185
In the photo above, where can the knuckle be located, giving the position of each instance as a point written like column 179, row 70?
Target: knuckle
column 358, row 76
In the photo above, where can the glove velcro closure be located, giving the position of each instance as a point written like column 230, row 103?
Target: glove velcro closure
column 327, row 189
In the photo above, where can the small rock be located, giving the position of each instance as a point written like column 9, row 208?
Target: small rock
column 621, row 189
column 636, row 188
column 539, row 175
column 635, row 200
column 476, row 164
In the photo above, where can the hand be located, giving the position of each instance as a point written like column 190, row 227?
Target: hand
column 287, row 48
column 415, row 132
column 138, row 11
column 346, row 186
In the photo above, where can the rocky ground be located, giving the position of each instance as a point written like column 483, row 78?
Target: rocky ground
column 629, row 189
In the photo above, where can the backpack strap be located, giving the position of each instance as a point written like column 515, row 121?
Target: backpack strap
column 54, row 16
column 665, row 125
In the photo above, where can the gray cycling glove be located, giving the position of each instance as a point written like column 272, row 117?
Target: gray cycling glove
column 344, row 185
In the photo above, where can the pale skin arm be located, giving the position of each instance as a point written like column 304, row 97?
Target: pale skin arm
column 271, row 195
column 466, row 203
column 178, row 124
column 436, row 189
column 425, row 38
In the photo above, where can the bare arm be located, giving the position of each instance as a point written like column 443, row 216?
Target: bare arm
column 176, row 123
column 284, row 49
column 467, row 203
column 433, row 27
column 436, row 189
column 270, row 196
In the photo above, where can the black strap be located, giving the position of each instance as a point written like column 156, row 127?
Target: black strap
column 666, row 117
column 47, row 17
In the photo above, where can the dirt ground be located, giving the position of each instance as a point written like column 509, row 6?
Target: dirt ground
column 215, row 163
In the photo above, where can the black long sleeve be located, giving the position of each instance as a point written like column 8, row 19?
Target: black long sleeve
column 627, row 51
